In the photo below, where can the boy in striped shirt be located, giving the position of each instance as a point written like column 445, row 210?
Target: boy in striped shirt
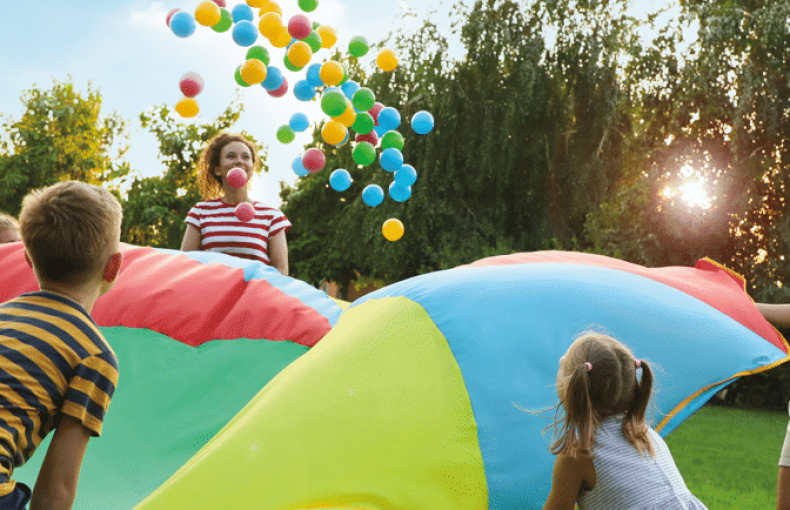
column 56, row 369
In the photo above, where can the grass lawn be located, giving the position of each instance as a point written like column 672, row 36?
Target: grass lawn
column 728, row 456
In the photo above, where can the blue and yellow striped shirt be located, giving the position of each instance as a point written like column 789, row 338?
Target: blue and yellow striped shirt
column 53, row 361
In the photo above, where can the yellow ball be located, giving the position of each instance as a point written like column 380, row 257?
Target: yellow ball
column 282, row 39
column 348, row 117
column 387, row 60
column 187, row 107
column 270, row 24
column 333, row 132
column 257, row 3
column 392, row 229
column 328, row 36
column 331, row 73
column 299, row 54
column 253, row 71
column 208, row 13
column 271, row 6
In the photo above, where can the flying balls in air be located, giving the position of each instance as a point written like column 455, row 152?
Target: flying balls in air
column 191, row 84
column 314, row 41
column 253, row 71
column 328, row 36
column 392, row 229
column 257, row 3
column 391, row 159
column 299, row 26
column 285, row 134
column 182, row 24
column 313, row 75
column 274, row 78
column 299, row 54
column 208, row 13
column 244, row 33
column 392, row 139
column 220, row 3
column 399, row 193
column 259, row 53
column 308, row 5
column 364, row 153
column 363, row 99
column 236, row 177
column 298, row 168
column 405, row 176
column 187, row 107
column 333, row 132
column 225, row 21
column 358, row 46
column 280, row 92
column 282, row 39
column 331, row 73
column 348, row 117
column 387, row 60
column 313, row 160
column 372, row 138
column 333, row 102
column 270, row 25
column 388, row 118
column 299, row 122
column 245, row 211
column 271, row 6
column 340, row 180
column 170, row 15
column 238, row 78
column 422, row 122
column 349, row 88
column 303, row 91
column 372, row 195
column 374, row 112
column 363, row 123
column 242, row 12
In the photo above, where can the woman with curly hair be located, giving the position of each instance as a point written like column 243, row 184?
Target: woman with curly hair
column 212, row 224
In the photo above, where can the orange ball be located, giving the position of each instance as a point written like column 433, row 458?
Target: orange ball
column 348, row 117
column 333, row 132
column 253, row 71
column 299, row 54
column 257, row 3
column 331, row 73
column 328, row 36
column 392, row 229
column 387, row 60
column 208, row 13
column 282, row 39
column 187, row 107
column 271, row 6
column 270, row 24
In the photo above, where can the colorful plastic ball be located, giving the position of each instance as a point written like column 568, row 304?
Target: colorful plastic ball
column 299, row 121
column 340, row 179
column 364, row 153
column 358, row 46
column 288, row 65
column 242, row 12
column 389, row 118
column 314, row 75
column 380, row 131
column 191, row 84
column 239, row 79
column 253, row 71
column 372, row 195
column 257, row 3
column 331, row 73
column 285, row 134
column 207, row 13
column 258, row 53
column 363, row 124
column 280, row 92
column 333, row 102
column 182, row 24
column 387, row 60
column 348, row 117
column 170, row 15
column 328, row 36
column 225, row 21
column 274, row 78
column 270, row 24
column 422, row 122
column 349, row 88
column 271, row 6
column 392, row 229
column 303, row 91
column 245, row 211
column 363, row 99
column 299, row 54
column 406, row 175
column 244, row 33
column 282, row 39
column 308, row 5
column 374, row 112
column 187, row 107
column 314, row 41
column 345, row 77
column 221, row 3
column 372, row 138
column 236, row 177
column 399, row 193
column 392, row 139
column 333, row 132
column 313, row 160
column 298, row 168
column 299, row 26
column 345, row 141
column 391, row 159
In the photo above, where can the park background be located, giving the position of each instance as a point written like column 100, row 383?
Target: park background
column 654, row 133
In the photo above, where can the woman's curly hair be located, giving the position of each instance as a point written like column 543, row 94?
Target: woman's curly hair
column 209, row 183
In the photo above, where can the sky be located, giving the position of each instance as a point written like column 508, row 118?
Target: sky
column 126, row 51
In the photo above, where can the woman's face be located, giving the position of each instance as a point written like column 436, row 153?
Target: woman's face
column 234, row 155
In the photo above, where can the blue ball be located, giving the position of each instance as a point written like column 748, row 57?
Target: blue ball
column 314, row 75
column 298, row 167
column 274, row 78
column 399, row 193
column 242, row 12
column 389, row 118
column 349, row 88
column 182, row 24
column 299, row 123
column 405, row 176
column 245, row 33
column 340, row 180
column 422, row 122
column 345, row 141
column 391, row 159
column 372, row 195
column 304, row 91
column 380, row 130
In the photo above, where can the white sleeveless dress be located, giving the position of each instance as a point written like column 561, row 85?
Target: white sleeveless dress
column 628, row 480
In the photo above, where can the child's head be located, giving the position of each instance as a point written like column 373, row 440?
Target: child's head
column 209, row 182
column 9, row 229
column 597, row 379
column 71, row 231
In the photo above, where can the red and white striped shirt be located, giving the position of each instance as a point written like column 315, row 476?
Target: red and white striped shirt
column 221, row 231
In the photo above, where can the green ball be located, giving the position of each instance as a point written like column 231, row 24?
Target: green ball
column 345, row 75
column 364, row 153
column 316, row 25
column 289, row 65
column 260, row 53
column 314, row 41
column 238, row 78
column 308, row 5
column 225, row 21
column 392, row 139
column 285, row 134
column 363, row 99
column 358, row 46
column 333, row 103
column 364, row 123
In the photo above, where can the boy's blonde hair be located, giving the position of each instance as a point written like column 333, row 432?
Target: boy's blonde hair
column 597, row 379
column 8, row 222
column 69, row 230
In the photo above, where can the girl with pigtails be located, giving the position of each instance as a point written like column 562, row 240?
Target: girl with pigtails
column 607, row 456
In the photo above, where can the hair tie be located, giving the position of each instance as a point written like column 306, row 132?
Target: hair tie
column 588, row 365
column 638, row 364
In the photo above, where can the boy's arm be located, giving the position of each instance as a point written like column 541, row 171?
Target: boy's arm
column 56, row 485
column 778, row 315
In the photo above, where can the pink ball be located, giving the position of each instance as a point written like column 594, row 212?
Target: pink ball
column 170, row 15
column 281, row 91
column 237, row 177
column 191, row 84
column 245, row 211
column 221, row 3
column 374, row 112
column 371, row 137
column 299, row 26
column 313, row 160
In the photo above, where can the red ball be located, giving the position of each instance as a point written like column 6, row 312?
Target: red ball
column 313, row 160
column 245, row 211
column 237, row 177
column 281, row 91
column 170, row 15
column 374, row 112
column 299, row 26
column 221, row 3
column 191, row 84
column 371, row 137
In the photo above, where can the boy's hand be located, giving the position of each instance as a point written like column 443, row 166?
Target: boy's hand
column 56, row 485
